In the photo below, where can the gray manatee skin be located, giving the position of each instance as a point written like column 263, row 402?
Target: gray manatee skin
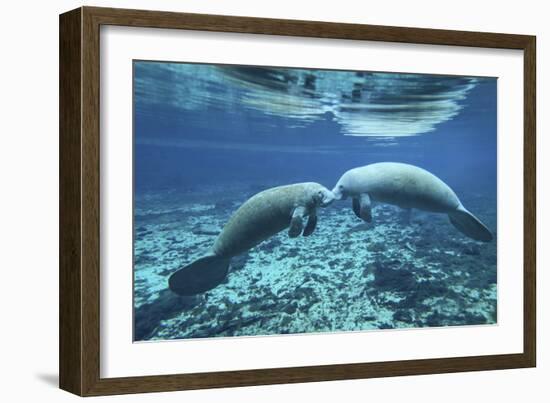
column 407, row 186
column 267, row 213
column 403, row 185
column 260, row 217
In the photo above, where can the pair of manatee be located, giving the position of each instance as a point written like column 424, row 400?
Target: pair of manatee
column 273, row 210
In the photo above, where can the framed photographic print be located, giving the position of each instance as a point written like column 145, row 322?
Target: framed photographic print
column 249, row 201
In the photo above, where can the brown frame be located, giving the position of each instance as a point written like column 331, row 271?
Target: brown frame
column 79, row 201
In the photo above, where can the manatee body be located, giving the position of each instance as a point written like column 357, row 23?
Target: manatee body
column 260, row 217
column 407, row 186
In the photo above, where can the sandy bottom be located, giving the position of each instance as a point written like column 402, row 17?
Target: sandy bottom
column 347, row 276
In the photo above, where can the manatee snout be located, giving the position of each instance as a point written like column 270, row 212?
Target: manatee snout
column 339, row 192
column 326, row 197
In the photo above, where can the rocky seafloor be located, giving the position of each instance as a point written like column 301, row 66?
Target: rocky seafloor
column 347, row 276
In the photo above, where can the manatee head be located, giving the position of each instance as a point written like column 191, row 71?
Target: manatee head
column 320, row 195
column 351, row 184
column 342, row 189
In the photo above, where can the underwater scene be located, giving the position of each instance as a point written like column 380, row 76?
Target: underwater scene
column 275, row 200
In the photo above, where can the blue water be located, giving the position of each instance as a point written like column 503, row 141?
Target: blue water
column 208, row 137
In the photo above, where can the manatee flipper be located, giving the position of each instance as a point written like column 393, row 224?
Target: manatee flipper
column 296, row 222
column 311, row 224
column 356, row 206
column 200, row 276
column 365, row 212
column 470, row 225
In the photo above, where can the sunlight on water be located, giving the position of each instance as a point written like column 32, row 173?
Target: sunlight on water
column 361, row 103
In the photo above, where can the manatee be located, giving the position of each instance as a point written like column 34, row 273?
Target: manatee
column 406, row 186
column 260, row 217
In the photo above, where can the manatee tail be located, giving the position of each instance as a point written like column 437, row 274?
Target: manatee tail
column 469, row 225
column 200, row 276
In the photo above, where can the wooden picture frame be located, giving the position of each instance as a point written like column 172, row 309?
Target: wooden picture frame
column 80, row 186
